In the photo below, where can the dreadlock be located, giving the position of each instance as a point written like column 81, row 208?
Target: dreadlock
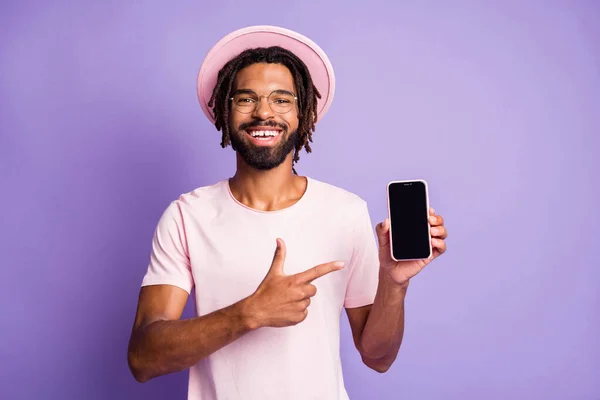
column 307, row 92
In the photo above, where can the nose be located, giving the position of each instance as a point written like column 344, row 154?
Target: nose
column 263, row 109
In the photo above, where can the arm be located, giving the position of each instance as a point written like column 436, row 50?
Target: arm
column 378, row 329
column 160, row 343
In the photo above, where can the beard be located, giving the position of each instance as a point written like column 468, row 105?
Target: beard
column 263, row 158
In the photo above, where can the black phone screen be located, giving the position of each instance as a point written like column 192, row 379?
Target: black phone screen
column 408, row 220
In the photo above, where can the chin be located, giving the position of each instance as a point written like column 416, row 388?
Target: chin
column 264, row 158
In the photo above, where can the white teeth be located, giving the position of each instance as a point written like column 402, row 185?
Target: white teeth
column 264, row 133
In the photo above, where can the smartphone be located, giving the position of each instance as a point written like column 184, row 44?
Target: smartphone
column 408, row 207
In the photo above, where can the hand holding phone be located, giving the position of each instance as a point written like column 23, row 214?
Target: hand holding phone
column 408, row 207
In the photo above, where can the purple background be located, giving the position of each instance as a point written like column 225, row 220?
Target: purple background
column 496, row 104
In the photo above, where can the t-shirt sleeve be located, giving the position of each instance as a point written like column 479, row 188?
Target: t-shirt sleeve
column 169, row 257
column 364, row 264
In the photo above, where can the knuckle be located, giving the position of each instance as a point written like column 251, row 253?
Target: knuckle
column 302, row 305
column 316, row 270
column 290, row 283
column 299, row 317
column 303, row 315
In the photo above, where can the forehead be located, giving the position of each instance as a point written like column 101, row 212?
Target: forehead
column 264, row 78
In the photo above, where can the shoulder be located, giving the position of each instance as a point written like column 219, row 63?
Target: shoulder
column 203, row 194
column 335, row 196
column 203, row 199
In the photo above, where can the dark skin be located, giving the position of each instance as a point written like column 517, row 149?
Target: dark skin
column 161, row 343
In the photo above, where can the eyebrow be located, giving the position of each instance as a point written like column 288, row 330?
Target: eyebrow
column 250, row 91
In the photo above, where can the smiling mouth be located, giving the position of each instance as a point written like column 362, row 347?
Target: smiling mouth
column 263, row 134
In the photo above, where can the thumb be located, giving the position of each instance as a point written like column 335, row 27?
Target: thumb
column 278, row 259
column 383, row 230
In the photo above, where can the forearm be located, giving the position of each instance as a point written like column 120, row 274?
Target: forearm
column 383, row 331
column 168, row 346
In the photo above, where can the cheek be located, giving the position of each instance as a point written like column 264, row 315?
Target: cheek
column 292, row 121
column 234, row 121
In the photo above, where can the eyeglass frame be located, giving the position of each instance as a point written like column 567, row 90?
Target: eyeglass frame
column 249, row 91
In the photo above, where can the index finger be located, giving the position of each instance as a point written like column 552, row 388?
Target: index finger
column 316, row 272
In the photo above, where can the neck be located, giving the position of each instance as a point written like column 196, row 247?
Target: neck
column 267, row 190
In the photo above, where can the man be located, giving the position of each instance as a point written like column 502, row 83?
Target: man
column 274, row 257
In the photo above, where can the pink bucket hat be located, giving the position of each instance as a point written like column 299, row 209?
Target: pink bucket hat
column 319, row 66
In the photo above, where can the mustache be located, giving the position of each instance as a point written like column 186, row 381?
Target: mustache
column 257, row 123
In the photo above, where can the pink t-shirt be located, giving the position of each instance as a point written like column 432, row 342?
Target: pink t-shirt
column 208, row 240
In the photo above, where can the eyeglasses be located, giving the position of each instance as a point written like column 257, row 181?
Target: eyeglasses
column 280, row 101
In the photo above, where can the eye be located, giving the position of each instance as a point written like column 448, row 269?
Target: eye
column 245, row 100
column 282, row 100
